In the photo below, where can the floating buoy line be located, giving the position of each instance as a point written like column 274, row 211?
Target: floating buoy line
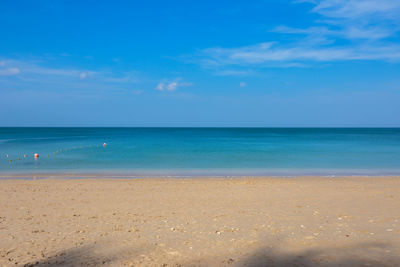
column 51, row 154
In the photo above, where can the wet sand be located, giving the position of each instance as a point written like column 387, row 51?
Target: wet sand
column 304, row 221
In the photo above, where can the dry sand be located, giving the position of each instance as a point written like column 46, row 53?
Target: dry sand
column 208, row 222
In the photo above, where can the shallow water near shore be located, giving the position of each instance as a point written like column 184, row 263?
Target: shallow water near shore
column 132, row 152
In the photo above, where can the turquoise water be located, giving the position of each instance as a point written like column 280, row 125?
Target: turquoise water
column 201, row 151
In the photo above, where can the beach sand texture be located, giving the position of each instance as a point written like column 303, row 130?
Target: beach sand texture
column 303, row 221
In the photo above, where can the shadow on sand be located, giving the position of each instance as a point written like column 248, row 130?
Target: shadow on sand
column 364, row 254
column 90, row 255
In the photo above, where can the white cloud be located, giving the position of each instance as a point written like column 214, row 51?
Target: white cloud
column 160, row 87
column 261, row 54
column 346, row 30
column 32, row 70
column 324, row 34
column 171, row 86
column 353, row 9
column 38, row 75
column 242, row 84
column 83, row 75
column 234, row 72
column 89, row 74
column 9, row 71
column 365, row 19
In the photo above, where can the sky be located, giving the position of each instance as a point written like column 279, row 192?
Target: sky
column 315, row 63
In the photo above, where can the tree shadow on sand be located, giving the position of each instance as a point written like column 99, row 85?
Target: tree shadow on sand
column 363, row 254
column 90, row 255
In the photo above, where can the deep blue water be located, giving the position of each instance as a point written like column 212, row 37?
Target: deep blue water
column 201, row 151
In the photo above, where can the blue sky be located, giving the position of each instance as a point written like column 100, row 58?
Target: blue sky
column 200, row 63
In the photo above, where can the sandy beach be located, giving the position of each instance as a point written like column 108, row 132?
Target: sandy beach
column 303, row 221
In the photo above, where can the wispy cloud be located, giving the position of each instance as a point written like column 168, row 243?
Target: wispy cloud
column 33, row 74
column 167, row 86
column 171, row 85
column 9, row 71
column 345, row 30
column 275, row 52
column 83, row 75
column 6, row 70
column 359, row 19
column 33, row 69
column 355, row 9
column 234, row 72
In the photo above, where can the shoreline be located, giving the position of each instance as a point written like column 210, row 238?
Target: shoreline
column 307, row 221
column 180, row 178
column 123, row 176
column 119, row 178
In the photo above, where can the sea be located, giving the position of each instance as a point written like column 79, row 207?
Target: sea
column 182, row 152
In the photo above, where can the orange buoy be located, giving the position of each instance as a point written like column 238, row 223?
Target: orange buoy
column 105, row 144
column 36, row 155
